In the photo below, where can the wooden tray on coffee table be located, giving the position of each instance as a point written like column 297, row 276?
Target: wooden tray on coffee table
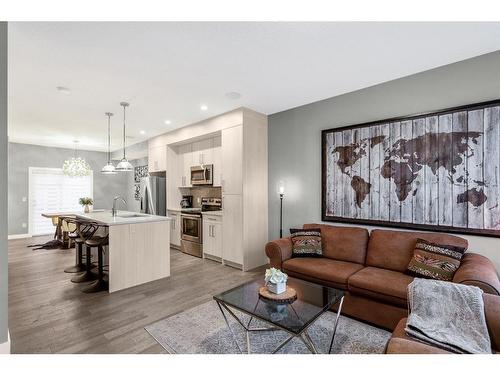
column 288, row 296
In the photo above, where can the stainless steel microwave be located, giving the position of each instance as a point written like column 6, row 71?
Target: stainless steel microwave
column 202, row 175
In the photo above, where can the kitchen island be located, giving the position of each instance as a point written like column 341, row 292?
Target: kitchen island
column 139, row 247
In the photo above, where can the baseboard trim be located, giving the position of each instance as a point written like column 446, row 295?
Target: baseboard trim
column 5, row 346
column 18, row 236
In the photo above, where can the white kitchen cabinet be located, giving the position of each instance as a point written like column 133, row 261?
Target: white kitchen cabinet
column 157, row 159
column 217, row 160
column 173, row 179
column 202, row 152
column 232, row 228
column 212, row 236
column 232, row 160
column 185, row 156
column 175, row 228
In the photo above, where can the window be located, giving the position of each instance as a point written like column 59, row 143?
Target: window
column 52, row 191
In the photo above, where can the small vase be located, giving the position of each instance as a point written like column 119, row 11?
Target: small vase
column 277, row 288
column 86, row 209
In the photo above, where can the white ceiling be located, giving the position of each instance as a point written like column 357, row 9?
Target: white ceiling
column 167, row 70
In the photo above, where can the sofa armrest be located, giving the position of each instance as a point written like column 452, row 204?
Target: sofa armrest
column 492, row 315
column 479, row 271
column 278, row 251
column 398, row 345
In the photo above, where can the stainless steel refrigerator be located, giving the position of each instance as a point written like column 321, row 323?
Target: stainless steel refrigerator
column 154, row 195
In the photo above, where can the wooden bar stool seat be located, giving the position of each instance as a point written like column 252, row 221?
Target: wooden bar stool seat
column 97, row 241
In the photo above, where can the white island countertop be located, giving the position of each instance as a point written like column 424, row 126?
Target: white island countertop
column 122, row 217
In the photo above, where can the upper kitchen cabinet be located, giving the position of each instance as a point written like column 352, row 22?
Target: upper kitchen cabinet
column 217, row 160
column 202, row 152
column 157, row 159
column 173, row 178
column 185, row 162
column 232, row 160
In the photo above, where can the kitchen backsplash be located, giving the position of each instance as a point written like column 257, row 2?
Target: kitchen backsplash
column 202, row 192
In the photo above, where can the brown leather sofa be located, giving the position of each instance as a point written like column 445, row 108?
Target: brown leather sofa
column 401, row 343
column 371, row 269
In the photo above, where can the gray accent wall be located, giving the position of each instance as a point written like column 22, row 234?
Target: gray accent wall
column 295, row 134
column 133, row 152
column 3, row 184
column 23, row 156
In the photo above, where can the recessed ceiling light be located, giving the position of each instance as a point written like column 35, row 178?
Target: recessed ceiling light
column 63, row 90
column 142, row 132
column 168, row 122
column 233, row 95
column 203, row 107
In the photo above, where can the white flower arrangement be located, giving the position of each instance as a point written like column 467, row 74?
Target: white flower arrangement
column 275, row 276
column 276, row 280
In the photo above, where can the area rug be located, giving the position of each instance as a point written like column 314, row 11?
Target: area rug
column 202, row 330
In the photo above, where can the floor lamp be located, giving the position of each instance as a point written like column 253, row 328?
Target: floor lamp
column 282, row 193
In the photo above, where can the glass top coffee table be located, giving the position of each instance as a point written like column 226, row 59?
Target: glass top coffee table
column 313, row 300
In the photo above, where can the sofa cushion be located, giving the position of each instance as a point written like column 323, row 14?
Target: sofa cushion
column 343, row 243
column 435, row 261
column 381, row 284
column 393, row 250
column 335, row 272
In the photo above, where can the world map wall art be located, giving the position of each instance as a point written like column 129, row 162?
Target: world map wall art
column 438, row 171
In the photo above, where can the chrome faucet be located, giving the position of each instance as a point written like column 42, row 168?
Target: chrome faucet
column 113, row 211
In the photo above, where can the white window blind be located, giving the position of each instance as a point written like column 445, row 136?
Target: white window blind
column 52, row 191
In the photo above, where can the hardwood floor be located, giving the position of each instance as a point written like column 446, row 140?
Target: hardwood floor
column 49, row 314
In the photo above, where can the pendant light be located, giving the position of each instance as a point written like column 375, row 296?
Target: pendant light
column 109, row 168
column 76, row 166
column 124, row 165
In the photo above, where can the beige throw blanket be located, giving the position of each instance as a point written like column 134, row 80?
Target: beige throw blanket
column 448, row 315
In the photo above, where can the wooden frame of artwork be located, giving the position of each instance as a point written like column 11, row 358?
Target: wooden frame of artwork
column 436, row 171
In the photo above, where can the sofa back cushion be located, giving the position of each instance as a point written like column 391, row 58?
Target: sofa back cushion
column 343, row 243
column 393, row 250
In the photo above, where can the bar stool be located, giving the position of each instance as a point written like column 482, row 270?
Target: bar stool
column 100, row 284
column 78, row 235
column 87, row 275
column 81, row 232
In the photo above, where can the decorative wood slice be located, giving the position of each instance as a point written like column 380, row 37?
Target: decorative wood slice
column 289, row 295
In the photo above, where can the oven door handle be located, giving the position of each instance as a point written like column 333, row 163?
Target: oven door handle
column 191, row 216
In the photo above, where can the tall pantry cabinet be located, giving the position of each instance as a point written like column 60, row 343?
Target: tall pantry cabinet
column 244, row 191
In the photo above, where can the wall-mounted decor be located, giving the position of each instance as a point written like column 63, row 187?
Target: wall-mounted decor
column 140, row 172
column 137, row 192
column 436, row 171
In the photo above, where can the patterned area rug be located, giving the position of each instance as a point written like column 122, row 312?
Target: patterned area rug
column 202, row 330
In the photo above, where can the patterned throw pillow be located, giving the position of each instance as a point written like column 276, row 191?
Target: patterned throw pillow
column 435, row 261
column 306, row 243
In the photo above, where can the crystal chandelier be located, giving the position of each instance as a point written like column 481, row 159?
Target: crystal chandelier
column 124, row 165
column 76, row 166
column 109, row 168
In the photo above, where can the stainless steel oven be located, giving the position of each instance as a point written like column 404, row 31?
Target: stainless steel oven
column 191, row 234
column 202, row 175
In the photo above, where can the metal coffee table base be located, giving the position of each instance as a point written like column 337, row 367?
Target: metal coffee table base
column 303, row 335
